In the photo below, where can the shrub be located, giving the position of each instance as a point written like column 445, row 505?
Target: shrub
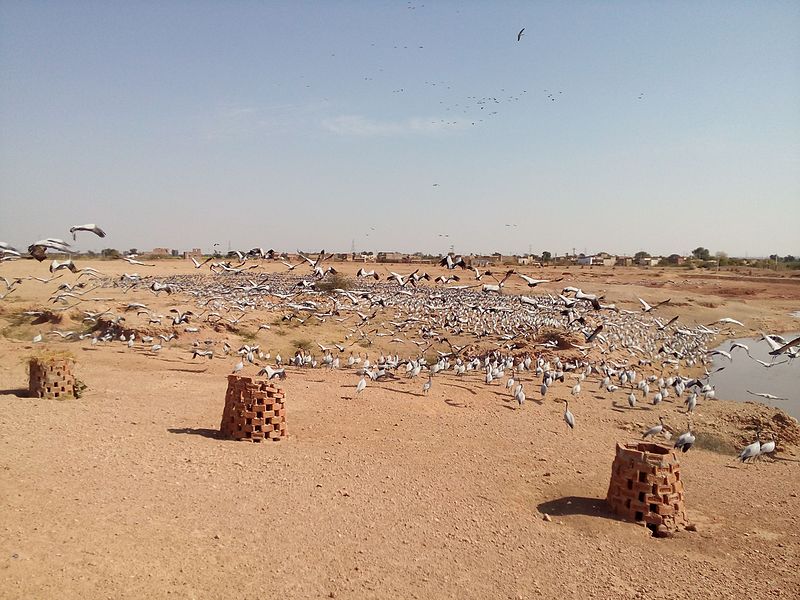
column 333, row 282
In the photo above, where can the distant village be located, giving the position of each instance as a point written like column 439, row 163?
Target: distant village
column 700, row 257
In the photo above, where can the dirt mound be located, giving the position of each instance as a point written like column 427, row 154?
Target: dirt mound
column 116, row 328
column 768, row 420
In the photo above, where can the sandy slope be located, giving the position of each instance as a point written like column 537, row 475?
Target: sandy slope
column 126, row 493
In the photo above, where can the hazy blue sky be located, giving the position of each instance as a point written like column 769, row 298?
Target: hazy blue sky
column 308, row 124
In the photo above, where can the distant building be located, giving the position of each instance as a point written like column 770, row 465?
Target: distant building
column 602, row 259
column 194, row 253
column 392, row 257
column 624, row 261
column 480, row 260
column 649, row 261
column 676, row 259
column 160, row 252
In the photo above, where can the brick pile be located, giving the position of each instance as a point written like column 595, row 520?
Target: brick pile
column 51, row 379
column 646, row 486
column 254, row 410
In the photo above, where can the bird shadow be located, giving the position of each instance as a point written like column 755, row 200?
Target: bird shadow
column 18, row 392
column 577, row 505
column 462, row 387
column 188, row 370
column 455, row 404
column 407, row 392
column 209, row 433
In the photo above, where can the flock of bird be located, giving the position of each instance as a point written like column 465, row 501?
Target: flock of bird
column 530, row 343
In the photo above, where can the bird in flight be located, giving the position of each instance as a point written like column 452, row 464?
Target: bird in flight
column 90, row 227
column 764, row 395
column 519, row 35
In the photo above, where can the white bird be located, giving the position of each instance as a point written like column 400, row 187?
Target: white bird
column 197, row 264
column 685, row 440
column 655, row 430
column 66, row 264
column 569, row 418
column 739, row 345
column 427, row 385
column 752, row 450
column 133, row 261
column 647, row 308
column 90, row 227
column 765, row 395
column 361, row 385
column 364, row 273
column 520, row 396
column 729, row 321
column 769, row 447
column 271, row 373
column 238, row 366
column 534, row 282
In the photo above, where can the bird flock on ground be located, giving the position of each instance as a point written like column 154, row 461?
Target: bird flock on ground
column 526, row 344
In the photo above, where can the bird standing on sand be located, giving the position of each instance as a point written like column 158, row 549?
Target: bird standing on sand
column 569, row 418
column 769, row 447
column 655, row 430
column 752, row 450
column 686, row 440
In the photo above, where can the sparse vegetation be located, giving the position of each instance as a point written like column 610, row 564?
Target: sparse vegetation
column 302, row 344
column 715, row 443
column 334, row 282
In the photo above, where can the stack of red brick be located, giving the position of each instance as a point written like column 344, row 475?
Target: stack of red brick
column 51, row 379
column 254, row 410
column 646, row 486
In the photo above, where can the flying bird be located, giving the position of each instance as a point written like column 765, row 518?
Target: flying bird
column 647, row 308
column 765, row 395
column 197, row 264
column 519, row 35
column 534, row 282
column 785, row 347
column 90, row 227
column 67, row 264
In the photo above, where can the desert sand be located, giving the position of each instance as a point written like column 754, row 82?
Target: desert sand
column 127, row 492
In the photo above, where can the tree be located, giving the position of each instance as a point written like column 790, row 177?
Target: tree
column 701, row 253
column 722, row 258
column 546, row 256
column 641, row 254
column 110, row 253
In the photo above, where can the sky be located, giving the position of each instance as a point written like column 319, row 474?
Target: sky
column 407, row 126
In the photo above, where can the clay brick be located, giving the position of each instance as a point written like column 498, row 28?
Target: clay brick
column 251, row 411
column 645, row 485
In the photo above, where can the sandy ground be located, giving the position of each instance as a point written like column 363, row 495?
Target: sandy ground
column 127, row 492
